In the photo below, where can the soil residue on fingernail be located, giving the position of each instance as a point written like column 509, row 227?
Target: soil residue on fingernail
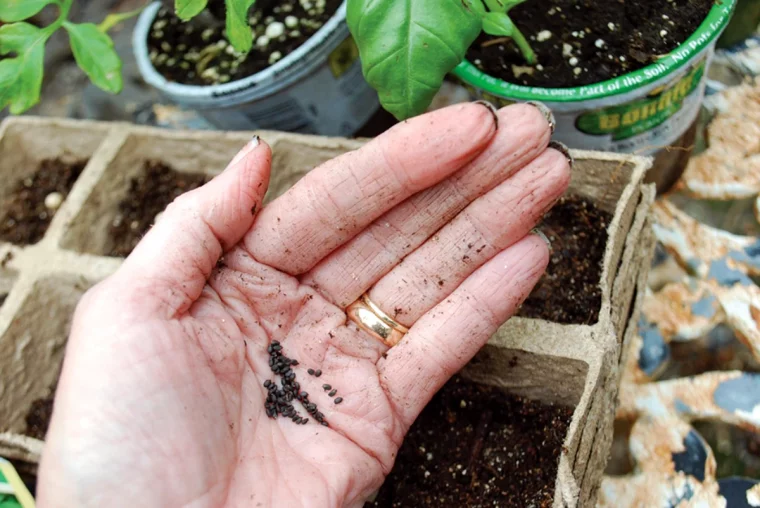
column 490, row 107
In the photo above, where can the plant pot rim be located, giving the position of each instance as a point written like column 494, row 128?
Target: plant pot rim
column 269, row 80
column 702, row 38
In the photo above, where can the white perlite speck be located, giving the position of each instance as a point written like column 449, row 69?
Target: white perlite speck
column 543, row 35
column 262, row 41
column 274, row 30
column 611, row 26
column 291, row 21
column 567, row 49
column 599, row 43
column 663, row 33
column 573, row 61
column 274, row 57
column 53, row 200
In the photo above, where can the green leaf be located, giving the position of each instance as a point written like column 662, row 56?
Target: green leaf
column 238, row 30
column 21, row 76
column 408, row 46
column 496, row 5
column 495, row 23
column 94, row 53
column 188, row 9
column 18, row 10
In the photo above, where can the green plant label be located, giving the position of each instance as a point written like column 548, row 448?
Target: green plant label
column 633, row 118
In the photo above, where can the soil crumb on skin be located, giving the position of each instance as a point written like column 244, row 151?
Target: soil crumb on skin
column 569, row 292
column 2, row 299
column 198, row 53
column 26, row 216
column 580, row 42
column 38, row 418
column 149, row 194
column 476, row 446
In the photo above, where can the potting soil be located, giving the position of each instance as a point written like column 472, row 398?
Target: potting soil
column 26, row 216
column 581, row 42
column 476, row 446
column 149, row 194
column 569, row 292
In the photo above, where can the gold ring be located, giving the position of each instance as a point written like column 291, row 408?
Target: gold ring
column 374, row 321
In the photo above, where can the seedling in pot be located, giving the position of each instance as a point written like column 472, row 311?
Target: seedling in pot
column 23, row 45
column 408, row 46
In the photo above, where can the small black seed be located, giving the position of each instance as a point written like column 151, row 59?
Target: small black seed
column 267, row 383
column 269, row 349
column 271, row 361
column 276, row 347
column 304, row 421
column 294, row 362
column 326, row 387
column 311, row 407
column 332, row 393
column 275, row 342
column 338, row 400
column 311, row 372
column 319, row 415
column 304, row 394
column 296, row 386
column 318, row 373
column 324, row 423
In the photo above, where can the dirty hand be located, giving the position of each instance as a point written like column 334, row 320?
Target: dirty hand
column 162, row 401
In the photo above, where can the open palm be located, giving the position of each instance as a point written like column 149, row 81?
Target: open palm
column 161, row 400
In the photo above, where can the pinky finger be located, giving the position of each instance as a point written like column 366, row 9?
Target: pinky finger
column 443, row 340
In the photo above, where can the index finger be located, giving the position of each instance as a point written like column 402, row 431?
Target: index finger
column 337, row 200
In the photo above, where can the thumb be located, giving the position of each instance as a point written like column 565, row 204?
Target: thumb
column 174, row 259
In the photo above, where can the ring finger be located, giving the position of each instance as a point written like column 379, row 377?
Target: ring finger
column 487, row 226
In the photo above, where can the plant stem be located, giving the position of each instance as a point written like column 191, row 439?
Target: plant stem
column 114, row 19
column 63, row 13
column 525, row 48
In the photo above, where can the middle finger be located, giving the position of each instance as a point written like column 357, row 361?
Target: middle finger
column 349, row 271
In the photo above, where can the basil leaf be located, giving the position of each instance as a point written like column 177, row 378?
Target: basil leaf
column 18, row 10
column 239, row 31
column 93, row 50
column 408, row 46
column 21, row 76
column 495, row 23
column 188, row 9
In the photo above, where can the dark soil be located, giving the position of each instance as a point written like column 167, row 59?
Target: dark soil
column 149, row 194
column 38, row 418
column 476, row 446
column 2, row 299
column 26, row 217
column 197, row 53
column 634, row 42
column 569, row 292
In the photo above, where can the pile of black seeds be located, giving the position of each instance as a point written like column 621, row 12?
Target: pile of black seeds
column 279, row 400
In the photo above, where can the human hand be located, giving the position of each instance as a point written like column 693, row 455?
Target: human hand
column 161, row 400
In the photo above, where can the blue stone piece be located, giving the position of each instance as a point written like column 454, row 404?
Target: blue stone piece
column 692, row 460
column 734, row 489
column 741, row 393
column 654, row 350
column 727, row 276
column 704, row 307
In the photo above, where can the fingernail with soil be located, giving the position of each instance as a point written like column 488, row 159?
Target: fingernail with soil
column 564, row 150
column 542, row 236
column 546, row 112
column 492, row 109
column 248, row 148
